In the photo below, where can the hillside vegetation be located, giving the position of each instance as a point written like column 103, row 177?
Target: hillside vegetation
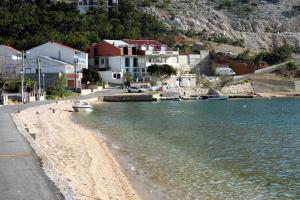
column 24, row 24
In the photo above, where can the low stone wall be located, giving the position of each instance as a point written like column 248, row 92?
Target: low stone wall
column 269, row 85
column 193, row 91
column 297, row 85
column 242, row 88
column 91, row 90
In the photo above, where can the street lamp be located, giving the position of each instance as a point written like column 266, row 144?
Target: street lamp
column 75, row 72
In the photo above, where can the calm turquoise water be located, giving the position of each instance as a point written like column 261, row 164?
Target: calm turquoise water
column 239, row 149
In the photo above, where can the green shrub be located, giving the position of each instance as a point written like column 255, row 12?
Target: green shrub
column 161, row 70
column 225, row 80
column 277, row 55
column 59, row 90
column 291, row 66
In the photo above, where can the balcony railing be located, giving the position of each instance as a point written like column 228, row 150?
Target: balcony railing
column 168, row 53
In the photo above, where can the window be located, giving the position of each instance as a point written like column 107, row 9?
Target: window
column 127, row 62
column 28, row 71
column 134, row 51
column 96, row 61
column 102, row 61
column 135, row 62
column 117, row 76
column 125, row 50
column 106, row 63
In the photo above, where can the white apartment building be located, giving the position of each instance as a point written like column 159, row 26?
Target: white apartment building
column 84, row 5
column 54, row 59
column 10, row 61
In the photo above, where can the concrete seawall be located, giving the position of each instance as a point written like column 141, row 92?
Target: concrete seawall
column 128, row 98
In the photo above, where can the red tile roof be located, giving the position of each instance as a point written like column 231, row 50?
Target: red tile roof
column 143, row 42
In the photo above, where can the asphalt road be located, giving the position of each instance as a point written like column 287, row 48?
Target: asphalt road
column 21, row 175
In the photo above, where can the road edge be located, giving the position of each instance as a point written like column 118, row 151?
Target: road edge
column 48, row 168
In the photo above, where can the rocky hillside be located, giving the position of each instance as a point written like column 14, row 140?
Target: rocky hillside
column 260, row 24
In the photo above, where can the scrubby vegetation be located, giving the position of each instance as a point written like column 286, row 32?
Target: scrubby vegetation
column 292, row 70
column 25, row 24
column 14, row 85
column 203, row 35
column 277, row 55
column 161, row 70
column 59, row 90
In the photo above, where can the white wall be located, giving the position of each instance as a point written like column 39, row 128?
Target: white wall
column 58, row 52
column 8, row 62
column 115, row 63
column 48, row 66
column 107, row 77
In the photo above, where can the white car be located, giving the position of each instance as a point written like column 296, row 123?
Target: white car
column 224, row 71
column 136, row 90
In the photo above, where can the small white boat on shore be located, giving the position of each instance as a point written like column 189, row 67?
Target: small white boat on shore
column 82, row 107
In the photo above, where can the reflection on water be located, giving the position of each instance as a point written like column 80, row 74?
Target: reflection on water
column 240, row 149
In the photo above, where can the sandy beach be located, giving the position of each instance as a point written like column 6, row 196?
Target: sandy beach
column 83, row 159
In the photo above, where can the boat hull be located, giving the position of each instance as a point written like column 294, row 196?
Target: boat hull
column 83, row 108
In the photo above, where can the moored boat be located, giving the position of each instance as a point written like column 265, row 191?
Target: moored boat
column 217, row 98
column 82, row 107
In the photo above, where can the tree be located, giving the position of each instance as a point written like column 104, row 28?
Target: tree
column 59, row 88
column 127, row 79
column 277, row 55
column 62, row 22
column 91, row 76
column 163, row 71
column 283, row 52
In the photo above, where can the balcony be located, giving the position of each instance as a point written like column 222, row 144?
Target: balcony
column 162, row 53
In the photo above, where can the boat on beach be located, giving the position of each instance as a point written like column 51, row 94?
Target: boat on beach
column 82, row 107
column 170, row 99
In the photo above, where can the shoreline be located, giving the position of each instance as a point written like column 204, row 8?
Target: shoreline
column 82, row 158
column 142, row 185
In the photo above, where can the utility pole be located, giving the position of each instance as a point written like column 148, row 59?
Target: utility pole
column 43, row 82
column 23, row 77
column 39, row 77
column 75, row 73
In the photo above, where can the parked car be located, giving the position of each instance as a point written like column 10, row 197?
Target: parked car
column 224, row 71
column 136, row 90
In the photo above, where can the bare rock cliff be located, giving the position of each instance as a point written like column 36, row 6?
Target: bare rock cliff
column 262, row 24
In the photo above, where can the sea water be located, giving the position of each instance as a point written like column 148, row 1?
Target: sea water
column 236, row 149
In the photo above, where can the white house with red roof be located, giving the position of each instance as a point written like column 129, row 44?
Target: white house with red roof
column 114, row 58
column 54, row 59
column 156, row 52
column 9, row 61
